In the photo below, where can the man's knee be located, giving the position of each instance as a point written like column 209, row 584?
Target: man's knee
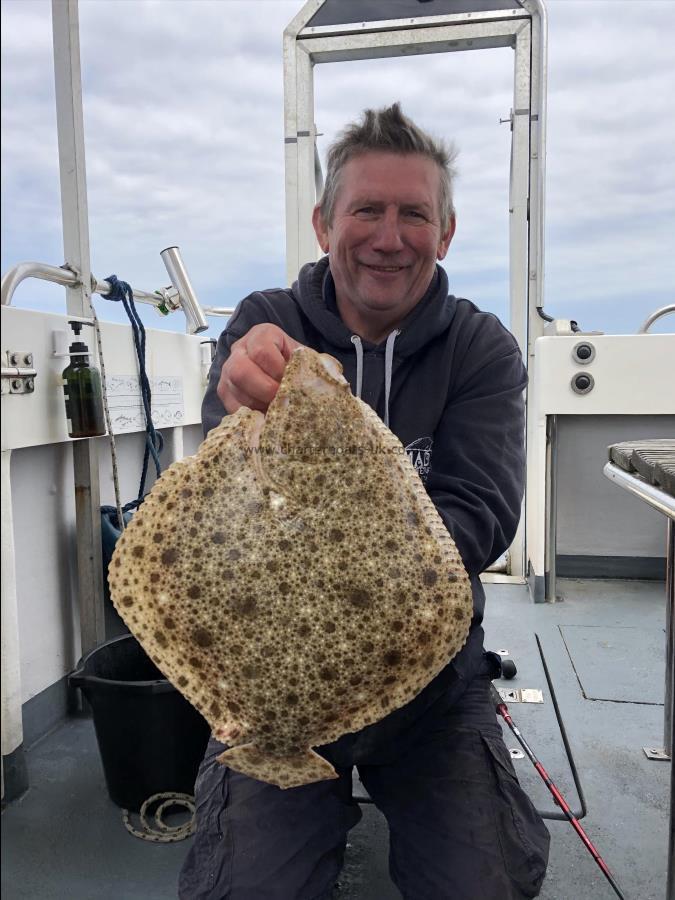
column 256, row 842
column 524, row 838
column 461, row 825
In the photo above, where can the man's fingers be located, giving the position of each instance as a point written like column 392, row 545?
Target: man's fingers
column 268, row 357
column 289, row 345
column 243, row 383
column 252, row 373
column 270, row 349
column 233, row 399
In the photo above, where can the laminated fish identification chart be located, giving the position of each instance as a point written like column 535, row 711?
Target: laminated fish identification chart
column 126, row 406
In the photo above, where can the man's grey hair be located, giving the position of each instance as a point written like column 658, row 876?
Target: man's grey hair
column 388, row 130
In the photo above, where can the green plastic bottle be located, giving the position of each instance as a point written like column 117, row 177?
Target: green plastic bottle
column 82, row 388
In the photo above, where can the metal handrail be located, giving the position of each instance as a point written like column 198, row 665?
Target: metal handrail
column 649, row 321
column 12, row 279
column 67, row 278
column 634, row 484
column 219, row 310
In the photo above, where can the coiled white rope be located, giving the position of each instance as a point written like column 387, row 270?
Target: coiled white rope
column 161, row 832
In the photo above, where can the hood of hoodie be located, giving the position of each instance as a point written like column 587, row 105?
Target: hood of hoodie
column 315, row 293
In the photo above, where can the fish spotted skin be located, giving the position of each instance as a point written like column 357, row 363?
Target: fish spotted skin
column 293, row 579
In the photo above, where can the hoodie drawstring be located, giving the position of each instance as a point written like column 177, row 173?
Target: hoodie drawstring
column 358, row 346
column 388, row 368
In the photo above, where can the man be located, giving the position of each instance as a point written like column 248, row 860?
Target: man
column 448, row 380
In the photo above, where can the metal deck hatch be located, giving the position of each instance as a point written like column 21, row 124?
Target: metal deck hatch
column 617, row 663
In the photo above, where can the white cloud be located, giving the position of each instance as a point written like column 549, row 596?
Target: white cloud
column 184, row 127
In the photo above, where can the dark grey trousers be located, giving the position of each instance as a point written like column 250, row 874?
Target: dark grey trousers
column 461, row 827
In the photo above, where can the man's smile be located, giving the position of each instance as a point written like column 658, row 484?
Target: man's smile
column 375, row 268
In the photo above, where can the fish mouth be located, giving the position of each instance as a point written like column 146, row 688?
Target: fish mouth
column 317, row 371
column 332, row 366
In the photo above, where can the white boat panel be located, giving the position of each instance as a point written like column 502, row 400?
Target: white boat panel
column 630, row 375
column 30, row 420
column 633, row 374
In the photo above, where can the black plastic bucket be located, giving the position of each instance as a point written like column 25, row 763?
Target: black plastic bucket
column 150, row 738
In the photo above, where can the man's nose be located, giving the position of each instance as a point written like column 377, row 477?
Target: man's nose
column 387, row 236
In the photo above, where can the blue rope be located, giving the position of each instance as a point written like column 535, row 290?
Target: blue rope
column 121, row 291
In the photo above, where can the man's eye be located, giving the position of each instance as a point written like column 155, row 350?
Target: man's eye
column 365, row 211
column 415, row 214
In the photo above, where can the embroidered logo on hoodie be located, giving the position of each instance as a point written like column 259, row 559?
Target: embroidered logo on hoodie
column 419, row 453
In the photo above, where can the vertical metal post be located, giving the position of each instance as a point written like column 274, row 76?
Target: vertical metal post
column 308, row 249
column 535, row 278
column 538, row 87
column 518, row 232
column 299, row 138
column 173, row 444
column 669, row 694
column 519, row 189
column 14, row 771
column 551, row 516
column 669, row 719
column 301, row 245
column 70, row 128
column 291, row 156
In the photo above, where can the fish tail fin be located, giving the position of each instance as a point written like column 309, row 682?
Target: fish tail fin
column 288, row 771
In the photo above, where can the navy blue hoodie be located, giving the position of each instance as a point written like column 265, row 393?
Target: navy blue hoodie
column 449, row 383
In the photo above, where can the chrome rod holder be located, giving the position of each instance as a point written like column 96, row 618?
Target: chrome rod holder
column 186, row 295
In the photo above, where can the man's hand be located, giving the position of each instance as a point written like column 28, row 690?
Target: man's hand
column 253, row 371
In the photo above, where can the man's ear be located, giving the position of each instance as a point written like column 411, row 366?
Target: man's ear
column 320, row 228
column 446, row 238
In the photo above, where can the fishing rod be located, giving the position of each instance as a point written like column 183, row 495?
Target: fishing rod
column 503, row 711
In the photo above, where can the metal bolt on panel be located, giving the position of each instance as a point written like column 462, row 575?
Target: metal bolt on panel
column 583, row 353
column 583, row 383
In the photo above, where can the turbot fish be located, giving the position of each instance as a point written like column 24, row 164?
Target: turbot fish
column 293, row 579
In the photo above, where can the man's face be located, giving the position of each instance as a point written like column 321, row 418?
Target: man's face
column 385, row 236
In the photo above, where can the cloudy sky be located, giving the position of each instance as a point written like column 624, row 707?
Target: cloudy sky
column 183, row 114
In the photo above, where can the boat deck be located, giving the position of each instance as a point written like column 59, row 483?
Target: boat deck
column 603, row 648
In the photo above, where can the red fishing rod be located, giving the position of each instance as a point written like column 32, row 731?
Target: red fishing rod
column 503, row 711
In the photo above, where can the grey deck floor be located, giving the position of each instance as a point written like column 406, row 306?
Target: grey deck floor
column 64, row 840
